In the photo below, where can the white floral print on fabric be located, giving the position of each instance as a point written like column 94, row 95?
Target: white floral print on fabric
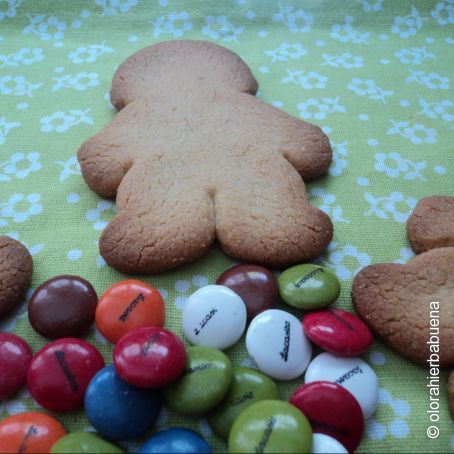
column 371, row 5
column 5, row 128
column 328, row 204
column 437, row 109
column 339, row 163
column 432, row 81
column 20, row 207
column 20, row 165
column 61, row 121
column 46, row 29
column 8, row 8
column 417, row 132
column 219, row 27
column 17, row 86
column 113, row 7
column 297, row 21
column 24, row 56
column 394, row 165
column 345, row 60
column 368, row 88
column 406, row 26
column 174, row 24
column 89, row 54
column 35, row 249
column 69, row 167
column 405, row 254
column 95, row 215
column 80, row 81
column 443, row 12
column 286, row 51
column 396, row 205
column 313, row 108
column 346, row 33
column 414, row 56
column 305, row 79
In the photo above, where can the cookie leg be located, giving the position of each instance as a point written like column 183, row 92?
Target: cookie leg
column 162, row 223
column 274, row 225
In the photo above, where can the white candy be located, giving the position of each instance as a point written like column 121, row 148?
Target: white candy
column 214, row 316
column 278, row 345
column 324, row 444
column 352, row 373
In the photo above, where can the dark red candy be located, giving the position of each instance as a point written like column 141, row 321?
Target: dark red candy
column 255, row 284
column 60, row 372
column 63, row 306
column 149, row 357
column 15, row 357
column 331, row 410
column 338, row 331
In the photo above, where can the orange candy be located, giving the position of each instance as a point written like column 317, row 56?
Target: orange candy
column 29, row 432
column 128, row 305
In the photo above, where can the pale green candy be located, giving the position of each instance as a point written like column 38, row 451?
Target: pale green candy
column 248, row 386
column 308, row 286
column 203, row 384
column 271, row 426
column 84, row 442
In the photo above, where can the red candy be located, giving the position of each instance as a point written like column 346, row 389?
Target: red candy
column 331, row 410
column 338, row 331
column 149, row 357
column 15, row 357
column 60, row 372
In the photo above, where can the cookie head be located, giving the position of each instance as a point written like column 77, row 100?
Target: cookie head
column 180, row 65
column 16, row 268
column 411, row 306
column 431, row 225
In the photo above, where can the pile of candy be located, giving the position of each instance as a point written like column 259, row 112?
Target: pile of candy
column 151, row 364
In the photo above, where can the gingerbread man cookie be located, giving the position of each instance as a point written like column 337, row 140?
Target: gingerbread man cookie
column 16, row 268
column 193, row 156
column 408, row 304
column 431, row 225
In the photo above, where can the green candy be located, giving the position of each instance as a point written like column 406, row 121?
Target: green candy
column 248, row 386
column 84, row 442
column 203, row 384
column 308, row 286
column 271, row 426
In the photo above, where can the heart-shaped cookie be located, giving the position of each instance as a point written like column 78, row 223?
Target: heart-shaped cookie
column 411, row 306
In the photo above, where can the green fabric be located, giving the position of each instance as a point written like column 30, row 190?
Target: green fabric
column 376, row 75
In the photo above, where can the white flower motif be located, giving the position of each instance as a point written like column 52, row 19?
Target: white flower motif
column 218, row 27
column 437, row 109
column 296, row 21
column 345, row 262
column 10, row 10
column 89, row 54
column 112, row 7
column 26, row 56
column 432, row 81
column 61, row 121
column 14, row 166
column 307, row 80
column 396, row 204
column 313, row 108
column 5, row 128
column 339, row 163
column 70, row 167
column 286, row 51
column 14, row 208
column 369, row 5
column 405, row 254
column 406, row 26
column 80, row 81
column 52, row 28
column 175, row 24
column 328, row 204
column 396, row 427
column 345, row 32
column 394, row 165
column 368, row 88
column 95, row 215
column 417, row 133
column 443, row 13
column 17, row 86
column 414, row 56
column 345, row 60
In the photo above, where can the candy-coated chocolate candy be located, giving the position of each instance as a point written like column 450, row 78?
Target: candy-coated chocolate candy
column 149, row 357
column 63, row 306
column 128, row 305
column 214, row 316
column 338, row 331
column 331, row 410
column 351, row 373
column 32, row 432
column 15, row 357
column 118, row 410
column 308, row 286
column 255, row 284
column 203, row 384
column 60, row 372
column 248, row 386
column 270, row 426
column 324, row 444
column 84, row 442
column 277, row 343
column 176, row 441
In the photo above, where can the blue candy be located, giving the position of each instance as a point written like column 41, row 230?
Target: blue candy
column 117, row 410
column 175, row 441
